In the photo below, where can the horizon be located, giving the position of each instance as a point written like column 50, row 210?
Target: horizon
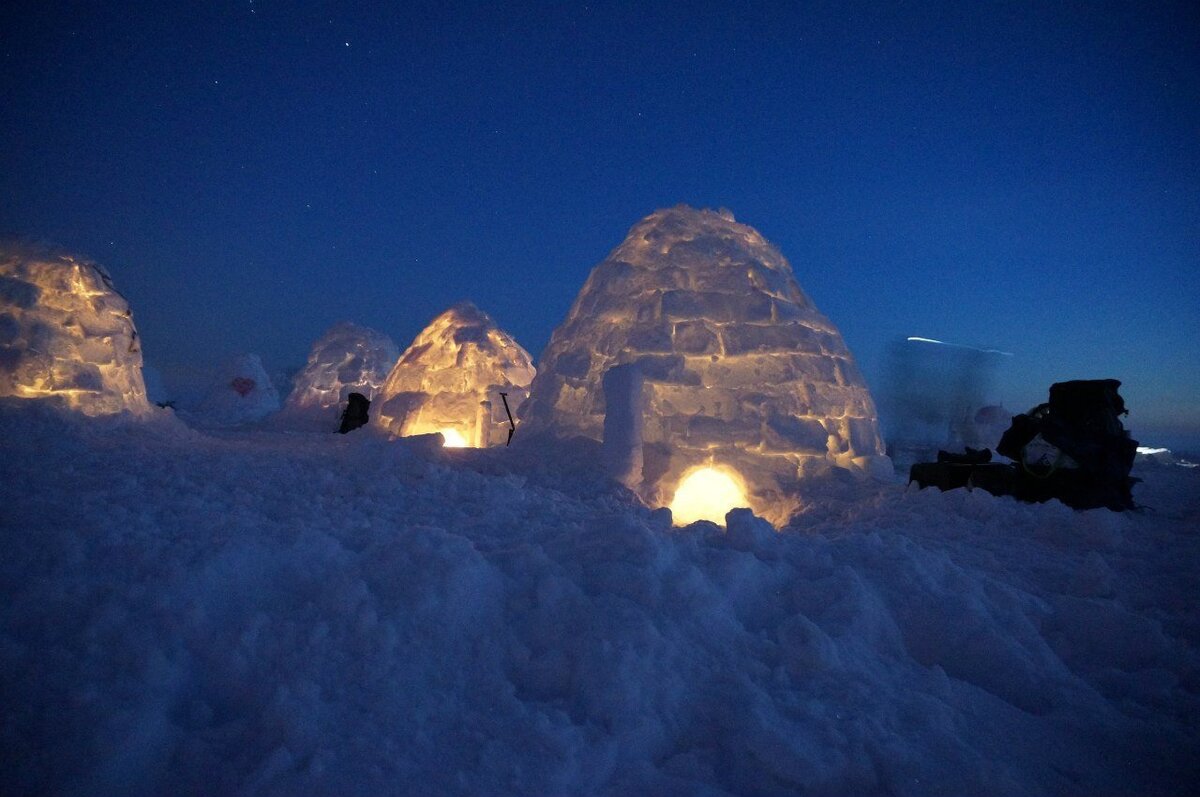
column 1025, row 179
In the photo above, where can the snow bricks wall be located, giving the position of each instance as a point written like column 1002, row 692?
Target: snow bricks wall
column 347, row 359
column 66, row 333
column 450, row 379
column 738, row 369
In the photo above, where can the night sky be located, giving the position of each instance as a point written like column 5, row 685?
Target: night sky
column 1019, row 177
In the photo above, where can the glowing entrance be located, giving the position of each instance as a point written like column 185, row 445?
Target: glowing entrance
column 452, row 438
column 707, row 494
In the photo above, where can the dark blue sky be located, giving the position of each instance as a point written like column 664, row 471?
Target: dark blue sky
column 1020, row 176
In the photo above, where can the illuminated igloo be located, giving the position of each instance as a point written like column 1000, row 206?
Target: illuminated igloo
column 450, row 379
column 723, row 380
column 66, row 333
column 347, row 359
column 242, row 392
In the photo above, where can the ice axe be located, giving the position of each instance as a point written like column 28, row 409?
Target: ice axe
column 512, row 426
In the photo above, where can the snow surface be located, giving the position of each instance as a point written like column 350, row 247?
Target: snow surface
column 241, row 612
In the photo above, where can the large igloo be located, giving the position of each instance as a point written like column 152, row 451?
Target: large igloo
column 722, row 377
column 66, row 333
column 450, row 379
column 347, row 359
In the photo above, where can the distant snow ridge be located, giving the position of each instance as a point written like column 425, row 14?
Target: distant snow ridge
column 450, row 379
column 241, row 393
column 347, row 359
column 66, row 333
column 736, row 368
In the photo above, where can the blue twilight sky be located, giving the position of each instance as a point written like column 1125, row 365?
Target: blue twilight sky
column 1020, row 176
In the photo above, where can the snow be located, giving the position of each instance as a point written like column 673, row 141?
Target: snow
column 260, row 612
column 741, row 370
column 241, row 392
column 66, row 332
column 346, row 359
column 450, row 380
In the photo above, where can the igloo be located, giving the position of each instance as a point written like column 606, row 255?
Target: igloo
column 694, row 355
column 450, row 379
column 66, row 333
column 242, row 392
column 347, row 359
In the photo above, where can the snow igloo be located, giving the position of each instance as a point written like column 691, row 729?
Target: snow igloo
column 66, row 333
column 242, row 392
column 450, row 379
column 711, row 378
column 347, row 359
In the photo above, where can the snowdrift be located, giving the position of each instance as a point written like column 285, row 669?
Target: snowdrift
column 250, row 613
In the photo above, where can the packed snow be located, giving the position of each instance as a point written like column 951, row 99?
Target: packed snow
column 268, row 613
column 739, row 370
column 66, row 333
column 347, row 359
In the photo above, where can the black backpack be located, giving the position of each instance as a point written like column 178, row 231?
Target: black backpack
column 1082, row 421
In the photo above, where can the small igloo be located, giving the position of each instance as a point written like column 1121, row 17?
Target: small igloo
column 241, row 392
column 66, row 333
column 450, row 379
column 347, row 359
column 722, row 377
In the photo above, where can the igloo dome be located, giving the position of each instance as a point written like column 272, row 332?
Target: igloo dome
column 347, row 359
column 66, row 333
column 716, row 364
column 450, row 379
column 241, row 392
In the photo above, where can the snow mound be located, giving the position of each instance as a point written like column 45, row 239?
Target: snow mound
column 66, row 334
column 241, row 393
column 347, row 359
column 738, row 369
column 450, row 379
column 249, row 614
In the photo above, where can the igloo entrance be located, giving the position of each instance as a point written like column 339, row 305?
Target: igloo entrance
column 707, row 493
column 450, row 379
column 695, row 337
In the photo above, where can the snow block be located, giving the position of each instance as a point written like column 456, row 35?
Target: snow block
column 623, row 420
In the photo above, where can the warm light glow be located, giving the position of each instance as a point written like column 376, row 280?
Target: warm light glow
column 452, row 438
column 706, row 494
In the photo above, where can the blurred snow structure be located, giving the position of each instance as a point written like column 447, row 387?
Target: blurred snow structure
column 66, row 334
column 241, row 393
column 450, row 379
column 729, row 375
column 347, row 359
